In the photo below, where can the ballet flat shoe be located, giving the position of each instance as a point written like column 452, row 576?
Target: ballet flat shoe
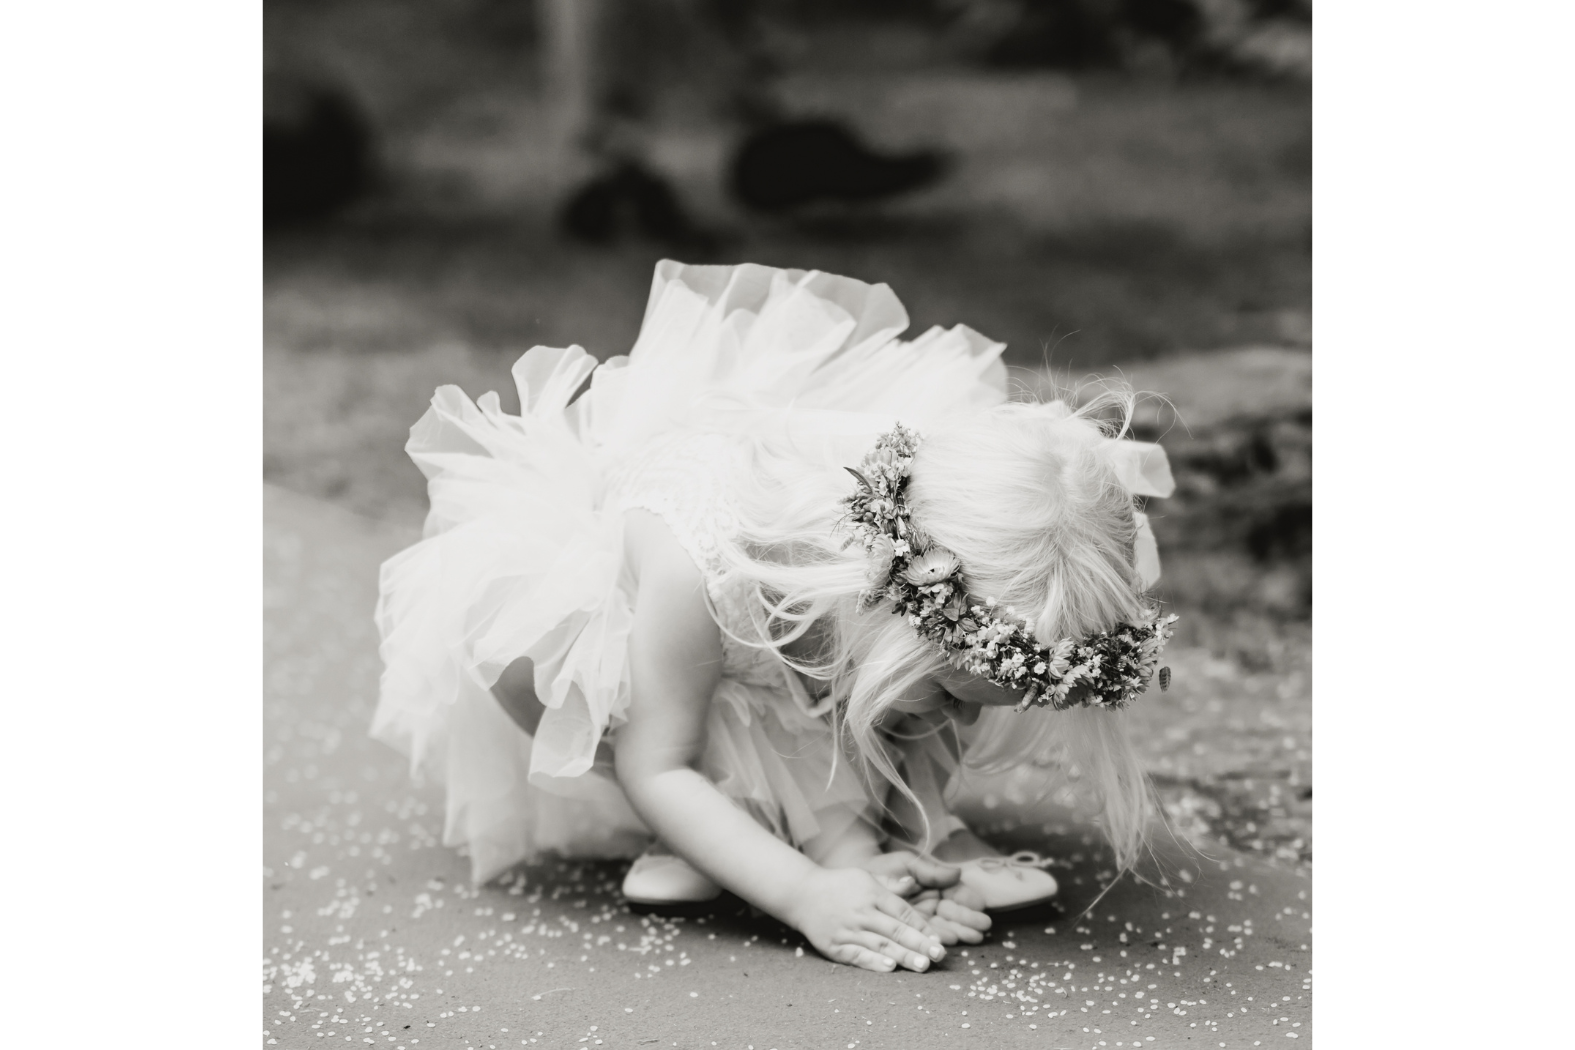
column 1011, row 882
column 661, row 878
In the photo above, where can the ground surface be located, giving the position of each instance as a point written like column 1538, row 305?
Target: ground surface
column 375, row 937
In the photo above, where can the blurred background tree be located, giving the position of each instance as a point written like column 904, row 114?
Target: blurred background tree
column 1234, row 36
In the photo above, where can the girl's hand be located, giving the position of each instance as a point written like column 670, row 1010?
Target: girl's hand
column 952, row 911
column 851, row 918
column 904, row 873
column 955, row 914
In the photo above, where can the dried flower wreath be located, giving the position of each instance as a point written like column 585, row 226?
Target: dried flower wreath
column 924, row 582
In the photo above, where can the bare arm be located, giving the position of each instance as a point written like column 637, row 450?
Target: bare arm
column 675, row 654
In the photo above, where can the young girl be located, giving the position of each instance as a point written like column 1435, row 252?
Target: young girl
column 728, row 599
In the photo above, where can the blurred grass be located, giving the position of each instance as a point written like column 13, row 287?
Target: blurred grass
column 1094, row 294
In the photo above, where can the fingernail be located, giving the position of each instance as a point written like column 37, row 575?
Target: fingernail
column 920, row 962
column 936, row 951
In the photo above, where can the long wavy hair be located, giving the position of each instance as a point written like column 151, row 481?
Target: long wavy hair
column 1024, row 497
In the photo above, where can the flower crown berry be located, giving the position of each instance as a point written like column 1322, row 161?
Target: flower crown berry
column 924, row 582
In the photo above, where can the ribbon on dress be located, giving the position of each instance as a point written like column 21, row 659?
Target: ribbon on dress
column 1143, row 470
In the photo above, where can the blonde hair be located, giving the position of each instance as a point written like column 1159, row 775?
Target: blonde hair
column 1024, row 497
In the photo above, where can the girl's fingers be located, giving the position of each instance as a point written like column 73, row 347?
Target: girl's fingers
column 925, row 926
column 888, row 948
column 931, row 872
column 952, row 932
column 864, row 958
column 908, row 919
column 901, row 910
column 967, row 896
column 901, row 885
column 944, row 931
column 962, row 915
column 916, row 935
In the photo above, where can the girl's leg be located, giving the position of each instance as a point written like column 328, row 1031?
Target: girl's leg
column 950, row 840
column 943, row 835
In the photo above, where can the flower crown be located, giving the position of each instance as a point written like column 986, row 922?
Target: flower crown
column 924, row 581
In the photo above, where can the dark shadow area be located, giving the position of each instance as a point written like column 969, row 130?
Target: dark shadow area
column 790, row 165
column 319, row 153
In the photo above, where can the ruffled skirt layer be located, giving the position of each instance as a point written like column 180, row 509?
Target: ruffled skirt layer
column 523, row 555
column 513, row 796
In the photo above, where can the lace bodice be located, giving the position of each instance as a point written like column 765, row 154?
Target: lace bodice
column 687, row 481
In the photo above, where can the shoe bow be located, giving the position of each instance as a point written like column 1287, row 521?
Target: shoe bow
column 1021, row 860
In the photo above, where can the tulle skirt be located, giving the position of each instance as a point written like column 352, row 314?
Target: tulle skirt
column 523, row 556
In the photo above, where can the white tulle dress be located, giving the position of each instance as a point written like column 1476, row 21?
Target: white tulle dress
column 523, row 553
